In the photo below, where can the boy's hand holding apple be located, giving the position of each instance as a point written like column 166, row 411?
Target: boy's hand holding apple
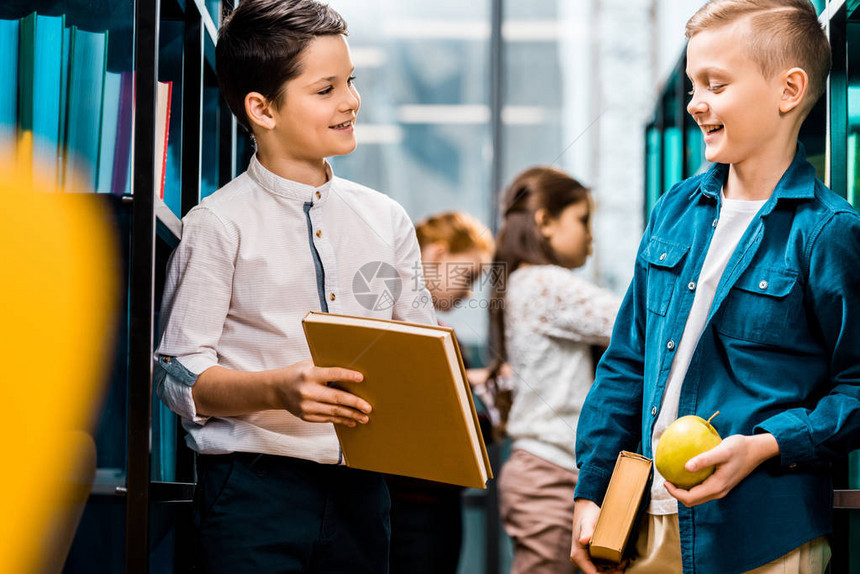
column 719, row 466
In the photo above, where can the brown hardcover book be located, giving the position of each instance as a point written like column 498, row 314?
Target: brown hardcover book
column 423, row 422
column 625, row 496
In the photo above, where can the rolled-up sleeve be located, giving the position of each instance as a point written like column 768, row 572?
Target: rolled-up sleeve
column 196, row 301
column 173, row 384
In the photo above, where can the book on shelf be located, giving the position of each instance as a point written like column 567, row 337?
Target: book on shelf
column 162, row 133
column 423, row 422
column 39, row 103
column 64, row 108
column 110, row 131
column 163, row 96
column 623, row 503
column 8, row 79
column 87, row 66
column 121, row 172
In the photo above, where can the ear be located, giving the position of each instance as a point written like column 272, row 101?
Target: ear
column 795, row 84
column 542, row 220
column 434, row 252
column 259, row 110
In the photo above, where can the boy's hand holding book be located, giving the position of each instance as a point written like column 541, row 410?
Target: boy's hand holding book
column 424, row 423
column 304, row 391
column 609, row 531
column 585, row 515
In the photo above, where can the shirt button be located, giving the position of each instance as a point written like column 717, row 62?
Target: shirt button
column 670, row 345
column 331, row 296
column 762, row 285
column 653, row 411
column 691, row 285
column 319, row 232
column 662, row 257
column 714, row 224
column 319, row 195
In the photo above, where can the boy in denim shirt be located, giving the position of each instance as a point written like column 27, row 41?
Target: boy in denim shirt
column 744, row 300
column 284, row 238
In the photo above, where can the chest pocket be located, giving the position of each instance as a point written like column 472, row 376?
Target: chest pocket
column 664, row 267
column 762, row 305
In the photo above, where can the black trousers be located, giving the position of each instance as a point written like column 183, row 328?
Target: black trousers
column 267, row 514
column 426, row 526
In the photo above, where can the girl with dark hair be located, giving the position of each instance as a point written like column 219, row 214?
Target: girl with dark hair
column 543, row 323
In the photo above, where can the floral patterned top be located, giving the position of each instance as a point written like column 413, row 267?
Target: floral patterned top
column 552, row 317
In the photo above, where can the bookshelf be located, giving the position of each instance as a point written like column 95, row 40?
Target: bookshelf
column 174, row 41
column 138, row 514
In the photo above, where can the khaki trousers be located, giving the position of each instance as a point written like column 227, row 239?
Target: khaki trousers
column 536, row 506
column 659, row 550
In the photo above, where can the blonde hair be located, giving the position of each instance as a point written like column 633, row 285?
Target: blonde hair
column 782, row 34
column 458, row 231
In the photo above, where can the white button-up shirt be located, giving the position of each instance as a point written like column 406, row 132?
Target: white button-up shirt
column 255, row 257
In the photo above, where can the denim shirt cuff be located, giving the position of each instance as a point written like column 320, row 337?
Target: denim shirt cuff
column 173, row 383
column 792, row 436
column 177, row 370
column 591, row 483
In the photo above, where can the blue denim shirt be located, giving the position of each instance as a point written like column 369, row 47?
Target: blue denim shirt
column 780, row 353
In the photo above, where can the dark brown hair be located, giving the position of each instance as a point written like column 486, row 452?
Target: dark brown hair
column 519, row 241
column 260, row 46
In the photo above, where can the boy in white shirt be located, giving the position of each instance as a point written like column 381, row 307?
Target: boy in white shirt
column 284, row 238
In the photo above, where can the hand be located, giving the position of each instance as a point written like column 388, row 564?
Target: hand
column 585, row 514
column 303, row 390
column 735, row 458
column 477, row 377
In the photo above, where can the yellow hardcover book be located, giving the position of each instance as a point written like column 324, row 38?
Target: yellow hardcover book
column 423, row 423
column 625, row 496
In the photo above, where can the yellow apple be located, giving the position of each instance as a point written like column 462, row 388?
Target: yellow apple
column 682, row 440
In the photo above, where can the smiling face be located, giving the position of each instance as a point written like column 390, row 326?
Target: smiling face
column 316, row 115
column 737, row 108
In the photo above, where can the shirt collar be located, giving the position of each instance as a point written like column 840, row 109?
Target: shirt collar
column 288, row 188
column 798, row 181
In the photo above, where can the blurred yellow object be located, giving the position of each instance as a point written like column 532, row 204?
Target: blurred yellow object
column 58, row 291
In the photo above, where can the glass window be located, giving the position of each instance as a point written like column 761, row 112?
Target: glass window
column 422, row 69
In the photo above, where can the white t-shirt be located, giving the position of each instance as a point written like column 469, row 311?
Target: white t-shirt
column 735, row 217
